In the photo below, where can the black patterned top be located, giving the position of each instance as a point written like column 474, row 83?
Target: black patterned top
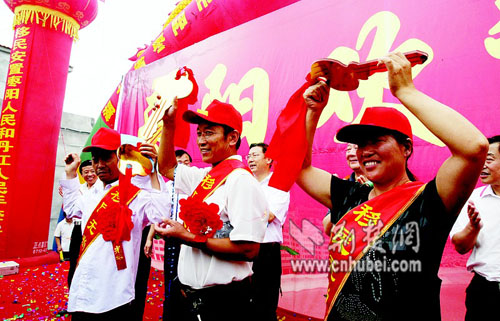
column 404, row 284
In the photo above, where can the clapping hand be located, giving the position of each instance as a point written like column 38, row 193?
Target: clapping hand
column 474, row 217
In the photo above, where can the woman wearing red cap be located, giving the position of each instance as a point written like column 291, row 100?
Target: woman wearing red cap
column 387, row 240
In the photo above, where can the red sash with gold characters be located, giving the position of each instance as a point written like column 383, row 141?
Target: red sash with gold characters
column 106, row 220
column 357, row 231
column 199, row 217
column 217, row 177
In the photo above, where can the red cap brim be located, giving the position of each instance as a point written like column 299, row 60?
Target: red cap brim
column 91, row 147
column 193, row 118
column 357, row 132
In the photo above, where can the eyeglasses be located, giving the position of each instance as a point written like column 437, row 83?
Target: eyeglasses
column 253, row 155
column 205, row 134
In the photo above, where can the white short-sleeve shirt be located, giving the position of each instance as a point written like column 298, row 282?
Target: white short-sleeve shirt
column 278, row 202
column 242, row 208
column 485, row 256
column 64, row 230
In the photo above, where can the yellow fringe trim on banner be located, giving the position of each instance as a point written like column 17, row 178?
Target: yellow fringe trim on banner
column 181, row 6
column 47, row 18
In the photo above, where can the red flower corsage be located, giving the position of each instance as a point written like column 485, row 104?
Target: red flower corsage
column 200, row 218
column 107, row 227
column 115, row 225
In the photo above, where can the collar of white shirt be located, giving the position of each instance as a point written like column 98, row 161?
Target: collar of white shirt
column 265, row 181
column 487, row 191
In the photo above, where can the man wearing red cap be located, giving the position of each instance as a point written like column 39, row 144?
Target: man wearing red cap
column 386, row 245
column 225, row 216
column 112, row 220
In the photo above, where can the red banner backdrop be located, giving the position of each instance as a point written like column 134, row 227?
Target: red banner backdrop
column 31, row 116
column 191, row 21
column 258, row 65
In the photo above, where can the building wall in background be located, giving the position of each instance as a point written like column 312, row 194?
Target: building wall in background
column 75, row 129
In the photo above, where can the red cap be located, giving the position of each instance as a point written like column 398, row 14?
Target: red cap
column 104, row 138
column 217, row 112
column 374, row 119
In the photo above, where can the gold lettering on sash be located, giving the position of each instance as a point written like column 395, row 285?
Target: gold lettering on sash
column 366, row 216
column 208, row 182
column 92, row 226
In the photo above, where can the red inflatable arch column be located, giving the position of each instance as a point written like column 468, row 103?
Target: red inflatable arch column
column 44, row 31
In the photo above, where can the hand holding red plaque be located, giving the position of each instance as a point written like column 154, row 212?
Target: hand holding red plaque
column 346, row 78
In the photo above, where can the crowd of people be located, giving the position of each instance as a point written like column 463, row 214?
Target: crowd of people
column 222, row 224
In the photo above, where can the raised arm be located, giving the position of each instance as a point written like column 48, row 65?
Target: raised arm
column 72, row 202
column 458, row 175
column 166, row 155
column 72, row 162
column 315, row 181
column 149, row 150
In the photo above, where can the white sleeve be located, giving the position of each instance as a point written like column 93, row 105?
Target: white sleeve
column 187, row 178
column 144, row 182
column 57, row 232
column 246, row 208
column 278, row 203
column 72, row 198
column 461, row 221
column 169, row 187
column 151, row 206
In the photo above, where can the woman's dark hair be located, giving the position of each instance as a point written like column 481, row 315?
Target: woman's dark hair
column 405, row 141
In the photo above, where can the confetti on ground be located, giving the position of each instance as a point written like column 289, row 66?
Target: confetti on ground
column 41, row 293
